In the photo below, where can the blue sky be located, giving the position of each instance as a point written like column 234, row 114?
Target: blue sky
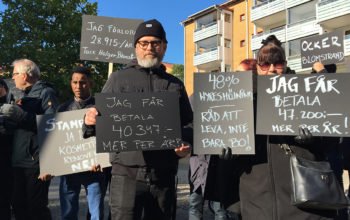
column 169, row 13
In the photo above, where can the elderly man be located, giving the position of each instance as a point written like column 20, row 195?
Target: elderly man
column 143, row 183
column 30, row 189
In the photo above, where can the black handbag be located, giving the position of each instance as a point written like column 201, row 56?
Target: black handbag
column 314, row 185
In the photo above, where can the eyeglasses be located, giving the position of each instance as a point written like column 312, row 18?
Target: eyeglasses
column 154, row 44
column 277, row 65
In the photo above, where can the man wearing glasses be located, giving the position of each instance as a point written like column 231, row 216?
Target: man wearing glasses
column 143, row 183
column 30, row 188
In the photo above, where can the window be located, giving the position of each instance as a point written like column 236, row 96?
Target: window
column 242, row 43
column 242, row 17
column 294, row 47
column 227, row 18
column 347, row 34
column 227, row 43
column 302, row 12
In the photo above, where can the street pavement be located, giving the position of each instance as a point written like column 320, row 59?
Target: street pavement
column 182, row 197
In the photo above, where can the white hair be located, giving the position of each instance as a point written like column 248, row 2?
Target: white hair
column 27, row 66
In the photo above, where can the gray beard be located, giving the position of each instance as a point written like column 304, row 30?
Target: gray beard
column 148, row 63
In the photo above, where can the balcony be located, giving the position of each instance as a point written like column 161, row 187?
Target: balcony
column 303, row 29
column 333, row 13
column 280, row 33
column 293, row 3
column 208, row 57
column 206, row 31
column 269, row 13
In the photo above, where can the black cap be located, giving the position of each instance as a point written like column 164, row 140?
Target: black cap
column 82, row 70
column 150, row 28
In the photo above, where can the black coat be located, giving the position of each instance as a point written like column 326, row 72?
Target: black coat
column 134, row 78
column 37, row 100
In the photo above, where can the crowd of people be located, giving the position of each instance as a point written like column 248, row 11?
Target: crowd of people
column 142, row 184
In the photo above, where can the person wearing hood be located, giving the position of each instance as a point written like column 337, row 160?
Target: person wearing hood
column 143, row 182
column 30, row 188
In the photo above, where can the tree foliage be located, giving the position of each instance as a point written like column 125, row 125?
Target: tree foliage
column 178, row 71
column 47, row 32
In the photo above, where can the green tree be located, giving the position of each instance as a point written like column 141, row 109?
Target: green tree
column 47, row 32
column 178, row 71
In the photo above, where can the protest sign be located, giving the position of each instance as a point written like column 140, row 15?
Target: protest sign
column 316, row 101
column 327, row 49
column 62, row 147
column 108, row 39
column 138, row 121
column 223, row 113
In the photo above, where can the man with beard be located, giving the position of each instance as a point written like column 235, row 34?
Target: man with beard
column 143, row 182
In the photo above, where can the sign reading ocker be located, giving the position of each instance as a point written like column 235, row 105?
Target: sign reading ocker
column 327, row 49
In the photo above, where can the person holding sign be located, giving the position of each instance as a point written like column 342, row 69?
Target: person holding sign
column 30, row 188
column 143, row 182
column 265, row 183
column 93, row 182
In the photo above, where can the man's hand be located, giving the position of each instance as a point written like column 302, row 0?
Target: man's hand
column 318, row 67
column 45, row 177
column 96, row 168
column 90, row 116
column 183, row 150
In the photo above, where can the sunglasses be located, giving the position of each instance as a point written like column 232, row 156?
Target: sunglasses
column 278, row 65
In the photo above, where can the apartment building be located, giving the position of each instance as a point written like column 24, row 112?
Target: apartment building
column 219, row 37
column 293, row 20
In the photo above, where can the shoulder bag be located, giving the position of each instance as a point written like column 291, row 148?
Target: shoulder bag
column 314, row 184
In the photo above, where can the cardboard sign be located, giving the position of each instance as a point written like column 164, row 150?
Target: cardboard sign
column 138, row 121
column 223, row 113
column 63, row 149
column 316, row 101
column 107, row 39
column 326, row 48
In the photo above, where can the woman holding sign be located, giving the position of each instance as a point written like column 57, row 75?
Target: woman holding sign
column 265, row 183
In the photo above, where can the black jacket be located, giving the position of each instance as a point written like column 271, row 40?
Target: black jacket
column 134, row 78
column 265, row 181
column 76, row 105
column 37, row 100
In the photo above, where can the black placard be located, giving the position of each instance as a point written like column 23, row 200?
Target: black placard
column 317, row 101
column 327, row 49
column 137, row 121
column 108, row 39
column 223, row 107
